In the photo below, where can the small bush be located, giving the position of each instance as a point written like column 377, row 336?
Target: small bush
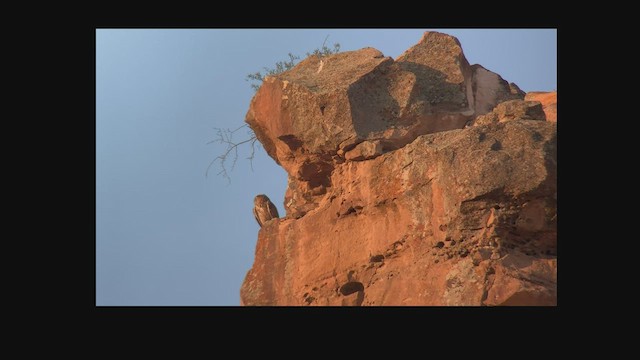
column 281, row 66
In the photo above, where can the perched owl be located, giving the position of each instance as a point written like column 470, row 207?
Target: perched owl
column 263, row 209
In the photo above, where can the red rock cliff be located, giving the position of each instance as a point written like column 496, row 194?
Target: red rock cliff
column 422, row 180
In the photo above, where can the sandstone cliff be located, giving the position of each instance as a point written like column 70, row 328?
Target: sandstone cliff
column 422, row 180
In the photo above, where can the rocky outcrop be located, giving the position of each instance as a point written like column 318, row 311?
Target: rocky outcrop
column 512, row 110
column 549, row 101
column 392, row 199
column 311, row 116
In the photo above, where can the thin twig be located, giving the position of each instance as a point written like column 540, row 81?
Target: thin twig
column 225, row 136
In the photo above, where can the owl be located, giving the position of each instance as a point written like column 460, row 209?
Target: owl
column 263, row 209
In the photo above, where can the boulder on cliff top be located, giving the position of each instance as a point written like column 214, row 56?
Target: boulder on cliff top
column 325, row 106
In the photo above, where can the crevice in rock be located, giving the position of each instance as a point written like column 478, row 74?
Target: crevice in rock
column 489, row 278
column 292, row 142
column 316, row 173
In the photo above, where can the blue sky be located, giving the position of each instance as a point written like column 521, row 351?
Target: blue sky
column 166, row 235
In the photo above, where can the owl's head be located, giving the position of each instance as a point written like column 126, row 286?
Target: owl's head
column 260, row 199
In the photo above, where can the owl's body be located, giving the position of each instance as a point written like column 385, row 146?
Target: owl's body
column 264, row 210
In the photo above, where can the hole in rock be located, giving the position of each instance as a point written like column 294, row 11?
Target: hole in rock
column 536, row 136
column 351, row 287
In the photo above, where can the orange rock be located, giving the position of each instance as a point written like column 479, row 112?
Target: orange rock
column 386, row 207
column 512, row 110
column 437, row 222
column 364, row 151
column 549, row 102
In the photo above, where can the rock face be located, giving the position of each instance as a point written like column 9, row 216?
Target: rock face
column 392, row 199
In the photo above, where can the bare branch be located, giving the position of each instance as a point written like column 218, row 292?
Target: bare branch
column 225, row 137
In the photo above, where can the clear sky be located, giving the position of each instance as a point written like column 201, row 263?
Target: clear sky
column 166, row 235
